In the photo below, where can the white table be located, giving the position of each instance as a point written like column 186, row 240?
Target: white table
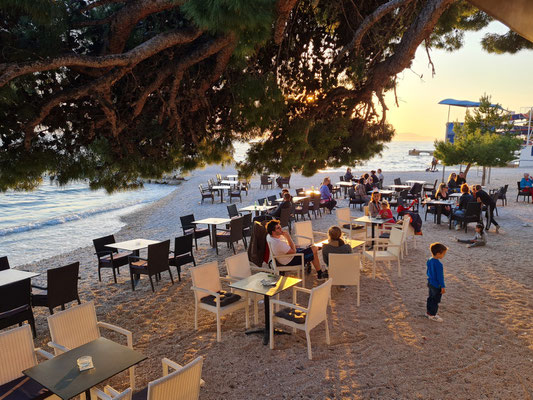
column 14, row 275
column 229, row 182
column 295, row 199
column 370, row 220
column 257, row 209
column 345, row 184
column 133, row 245
column 400, row 186
column 212, row 223
column 455, row 195
column 234, row 177
column 221, row 189
column 412, row 182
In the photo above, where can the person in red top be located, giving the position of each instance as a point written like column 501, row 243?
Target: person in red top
column 386, row 212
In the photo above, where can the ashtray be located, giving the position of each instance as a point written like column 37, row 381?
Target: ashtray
column 267, row 282
column 85, row 363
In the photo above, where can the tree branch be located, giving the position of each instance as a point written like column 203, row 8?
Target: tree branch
column 283, row 9
column 134, row 56
column 368, row 22
column 100, row 3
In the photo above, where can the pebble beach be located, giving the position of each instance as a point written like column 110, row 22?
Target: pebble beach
column 384, row 349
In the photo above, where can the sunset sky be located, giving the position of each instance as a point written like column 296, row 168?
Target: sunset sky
column 462, row 75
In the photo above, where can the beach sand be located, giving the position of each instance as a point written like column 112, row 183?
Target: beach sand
column 384, row 349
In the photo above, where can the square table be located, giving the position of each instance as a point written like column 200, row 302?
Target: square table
column 221, row 189
column 371, row 220
column 455, row 195
column 62, row 377
column 133, row 245
column 253, row 284
column 438, row 206
column 412, row 182
column 295, row 199
column 229, row 182
column 401, row 187
column 234, row 177
column 213, row 222
column 14, row 275
column 257, row 209
column 352, row 242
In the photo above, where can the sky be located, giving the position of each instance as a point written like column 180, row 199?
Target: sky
column 466, row 74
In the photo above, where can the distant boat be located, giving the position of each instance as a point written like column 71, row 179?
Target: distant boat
column 415, row 152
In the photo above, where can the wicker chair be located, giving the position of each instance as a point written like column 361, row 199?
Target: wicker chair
column 156, row 262
column 182, row 253
column 206, row 194
column 266, row 181
column 4, row 263
column 189, row 227
column 231, row 235
column 109, row 258
column 15, row 305
column 61, row 288
column 18, row 354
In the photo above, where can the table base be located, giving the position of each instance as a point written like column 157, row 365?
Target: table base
column 265, row 333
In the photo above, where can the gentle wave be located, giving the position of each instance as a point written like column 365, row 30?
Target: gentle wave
column 68, row 218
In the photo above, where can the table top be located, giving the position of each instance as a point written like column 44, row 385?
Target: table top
column 400, row 186
column 253, row 283
column 132, row 245
column 14, row 275
column 62, row 376
column 455, row 195
column 233, row 176
column 229, row 182
column 352, row 242
column 308, row 192
column 212, row 221
column 257, row 208
column 444, row 202
column 383, row 191
column 370, row 220
column 414, row 181
column 221, row 187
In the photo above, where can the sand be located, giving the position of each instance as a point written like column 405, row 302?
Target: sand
column 384, row 349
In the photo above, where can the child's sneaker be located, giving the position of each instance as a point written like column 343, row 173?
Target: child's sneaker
column 435, row 318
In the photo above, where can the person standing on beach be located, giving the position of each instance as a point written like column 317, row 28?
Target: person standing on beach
column 484, row 198
column 381, row 178
column 436, row 286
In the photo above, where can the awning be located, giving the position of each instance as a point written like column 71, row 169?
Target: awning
column 464, row 103
column 516, row 14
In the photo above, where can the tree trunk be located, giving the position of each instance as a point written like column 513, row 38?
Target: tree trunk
column 483, row 176
column 467, row 169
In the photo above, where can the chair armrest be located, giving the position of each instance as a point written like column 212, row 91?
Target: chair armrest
column 295, row 290
column 304, row 237
column 39, row 287
column 217, row 295
column 118, row 329
column 290, row 305
column 43, row 353
column 58, row 347
column 230, row 279
column 287, row 255
column 171, row 364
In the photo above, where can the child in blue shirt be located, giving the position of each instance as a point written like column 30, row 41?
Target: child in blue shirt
column 435, row 273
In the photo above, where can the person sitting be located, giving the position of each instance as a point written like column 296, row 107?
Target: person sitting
column 326, row 198
column 375, row 178
column 479, row 239
column 335, row 244
column 461, row 179
column 526, row 183
column 368, row 183
column 361, row 192
column 286, row 203
column 281, row 243
column 442, row 194
column 465, row 198
column 374, row 207
column 386, row 213
column 348, row 175
column 452, row 184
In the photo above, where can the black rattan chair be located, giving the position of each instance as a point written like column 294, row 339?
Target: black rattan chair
column 266, row 181
column 108, row 257
column 526, row 194
column 472, row 214
column 15, row 305
column 61, row 288
column 188, row 227
column 4, row 263
column 182, row 253
column 231, row 235
column 246, row 227
column 302, row 210
column 154, row 264
column 232, row 211
column 206, row 194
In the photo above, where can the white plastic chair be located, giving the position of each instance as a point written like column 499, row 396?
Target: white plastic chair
column 276, row 261
column 238, row 268
column 315, row 312
column 17, row 354
column 344, row 220
column 386, row 250
column 345, row 269
column 206, row 282
column 78, row 325
column 303, row 234
column 181, row 384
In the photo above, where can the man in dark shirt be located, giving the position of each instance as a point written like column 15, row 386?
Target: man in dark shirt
column 484, row 198
column 374, row 177
column 286, row 203
column 460, row 179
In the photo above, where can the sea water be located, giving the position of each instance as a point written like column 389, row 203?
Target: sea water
column 52, row 220
column 395, row 157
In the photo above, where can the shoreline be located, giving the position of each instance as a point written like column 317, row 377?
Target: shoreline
column 383, row 349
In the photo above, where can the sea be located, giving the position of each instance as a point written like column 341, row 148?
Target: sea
column 52, row 220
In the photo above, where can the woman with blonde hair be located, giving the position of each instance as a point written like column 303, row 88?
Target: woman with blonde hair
column 374, row 207
column 335, row 244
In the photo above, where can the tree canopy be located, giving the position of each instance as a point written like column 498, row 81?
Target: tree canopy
column 484, row 139
column 116, row 90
